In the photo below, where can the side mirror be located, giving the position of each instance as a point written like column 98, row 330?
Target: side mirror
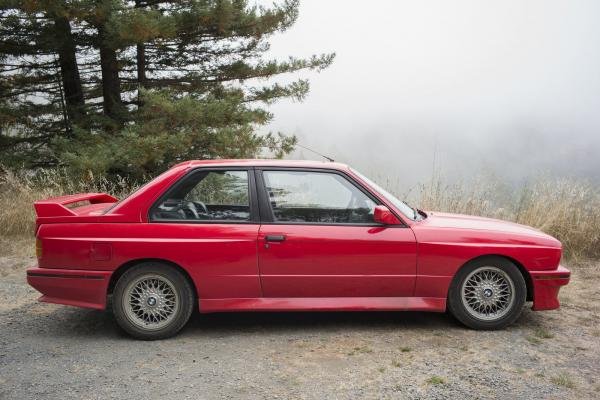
column 383, row 215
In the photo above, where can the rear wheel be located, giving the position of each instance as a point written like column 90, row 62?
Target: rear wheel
column 487, row 293
column 152, row 301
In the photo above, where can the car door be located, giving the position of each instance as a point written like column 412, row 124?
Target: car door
column 318, row 239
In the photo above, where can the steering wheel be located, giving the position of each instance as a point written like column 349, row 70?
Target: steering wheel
column 200, row 204
column 188, row 208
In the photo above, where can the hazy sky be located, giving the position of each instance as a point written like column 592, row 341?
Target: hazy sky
column 511, row 87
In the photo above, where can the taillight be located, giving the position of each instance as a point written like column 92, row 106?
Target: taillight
column 38, row 248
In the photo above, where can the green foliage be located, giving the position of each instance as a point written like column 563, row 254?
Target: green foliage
column 168, row 129
column 131, row 87
column 230, row 188
column 436, row 380
column 564, row 380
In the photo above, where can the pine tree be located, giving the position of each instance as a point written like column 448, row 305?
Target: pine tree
column 131, row 87
column 32, row 93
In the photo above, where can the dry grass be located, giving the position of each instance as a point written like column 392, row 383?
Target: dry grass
column 18, row 191
column 563, row 380
column 566, row 209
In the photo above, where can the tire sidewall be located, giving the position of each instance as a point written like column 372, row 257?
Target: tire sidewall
column 182, row 287
column 458, row 309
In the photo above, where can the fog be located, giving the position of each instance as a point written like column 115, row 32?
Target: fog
column 510, row 88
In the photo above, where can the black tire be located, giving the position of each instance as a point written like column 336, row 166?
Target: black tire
column 179, row 291
column 512, row 311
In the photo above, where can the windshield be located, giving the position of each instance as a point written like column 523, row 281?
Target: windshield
column 407, row 210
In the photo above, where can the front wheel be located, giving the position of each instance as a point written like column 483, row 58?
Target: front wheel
column 487, row 293
column 152, row 301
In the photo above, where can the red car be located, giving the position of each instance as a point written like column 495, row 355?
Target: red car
column 272, row 235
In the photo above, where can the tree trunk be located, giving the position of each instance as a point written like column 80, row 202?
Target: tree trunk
column 141, row 64
column 141, row 69
column 140, row 60
column 67, row 59
column 111, row 88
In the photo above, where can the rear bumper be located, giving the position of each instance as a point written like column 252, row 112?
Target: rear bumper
column 546, row 285
column 70, row 287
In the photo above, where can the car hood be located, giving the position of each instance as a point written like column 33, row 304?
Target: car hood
column 469, row 222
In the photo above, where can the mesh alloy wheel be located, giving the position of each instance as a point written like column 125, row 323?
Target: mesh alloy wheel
column 488, row 293
column 151, row 301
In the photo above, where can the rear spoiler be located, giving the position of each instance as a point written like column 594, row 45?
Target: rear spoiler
column 55, row 207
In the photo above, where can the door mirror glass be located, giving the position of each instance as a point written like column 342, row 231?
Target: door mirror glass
column 383, row 215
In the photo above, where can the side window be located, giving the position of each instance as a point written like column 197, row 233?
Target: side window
column 207, row 195
column 319, row 197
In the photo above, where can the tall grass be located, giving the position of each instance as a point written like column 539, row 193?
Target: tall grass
column 566, row 209
column 18, row 191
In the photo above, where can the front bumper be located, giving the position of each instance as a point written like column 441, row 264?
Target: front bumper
column 546, row 285
column 79, row 288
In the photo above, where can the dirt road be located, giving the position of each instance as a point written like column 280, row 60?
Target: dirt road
column 51, row 352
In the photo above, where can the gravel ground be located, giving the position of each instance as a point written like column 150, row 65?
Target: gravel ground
column 51, row 352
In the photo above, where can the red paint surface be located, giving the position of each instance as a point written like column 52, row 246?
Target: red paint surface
column 383, row 215
column 334, row 261
column 326, row 304
column 317, row 267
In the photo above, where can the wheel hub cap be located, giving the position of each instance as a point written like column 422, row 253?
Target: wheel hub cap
column 151, row 302
column 488, row 293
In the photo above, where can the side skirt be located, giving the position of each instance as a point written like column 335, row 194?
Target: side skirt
column 433, row 304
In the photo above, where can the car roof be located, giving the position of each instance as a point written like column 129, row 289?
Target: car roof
column 265, row 163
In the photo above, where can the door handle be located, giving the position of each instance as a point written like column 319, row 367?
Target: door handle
column 275, row 238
